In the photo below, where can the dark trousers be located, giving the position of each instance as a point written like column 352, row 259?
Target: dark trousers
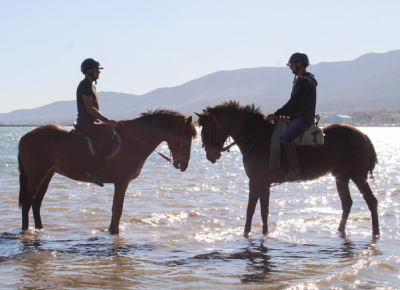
column 101, row 132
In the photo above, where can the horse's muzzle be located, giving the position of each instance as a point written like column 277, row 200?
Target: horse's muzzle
column 181, row 164
column 213, row 155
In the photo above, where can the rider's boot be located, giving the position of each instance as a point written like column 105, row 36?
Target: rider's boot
column 291, row 153
column 95, row 171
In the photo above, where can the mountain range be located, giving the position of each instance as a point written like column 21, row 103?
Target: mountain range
column 369, row 82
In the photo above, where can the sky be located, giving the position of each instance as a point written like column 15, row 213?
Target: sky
column 145, row 45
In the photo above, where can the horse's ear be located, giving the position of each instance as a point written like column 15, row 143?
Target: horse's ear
column 204, row 110
column 189, row 120
column 197, row 114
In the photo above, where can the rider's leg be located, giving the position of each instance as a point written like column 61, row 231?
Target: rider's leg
column 102, row 133
column 296, row 128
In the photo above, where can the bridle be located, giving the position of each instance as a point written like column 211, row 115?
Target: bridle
column 180, row 154
column 219, row 144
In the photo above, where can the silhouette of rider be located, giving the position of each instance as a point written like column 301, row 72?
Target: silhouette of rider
column 89, row 117
column 300, row 109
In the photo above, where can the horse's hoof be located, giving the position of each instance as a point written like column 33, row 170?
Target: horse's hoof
column 113, row 232
column 341, row 229
column 246, row 234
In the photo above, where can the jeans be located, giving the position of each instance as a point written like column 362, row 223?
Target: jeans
column 296, row 128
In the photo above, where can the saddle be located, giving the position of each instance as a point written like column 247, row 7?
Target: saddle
column 313, row 136
column 94, row 143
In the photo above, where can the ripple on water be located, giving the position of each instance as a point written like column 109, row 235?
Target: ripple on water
column 188, row 227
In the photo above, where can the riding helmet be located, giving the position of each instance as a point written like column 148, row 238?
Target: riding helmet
column 298, row 56
column 89, row 63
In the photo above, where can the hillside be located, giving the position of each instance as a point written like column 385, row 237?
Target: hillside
column 366, row 83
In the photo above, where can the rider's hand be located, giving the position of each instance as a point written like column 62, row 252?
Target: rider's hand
column 271, row 117
column 112, row 123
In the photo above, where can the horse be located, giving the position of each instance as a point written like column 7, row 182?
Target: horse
column 347, row 153
column 52, row 149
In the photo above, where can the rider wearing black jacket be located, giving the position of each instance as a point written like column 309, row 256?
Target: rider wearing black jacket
column 300, row 109
column 302, row 100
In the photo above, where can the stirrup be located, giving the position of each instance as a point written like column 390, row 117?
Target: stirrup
column 292, row 176
column 95, row 178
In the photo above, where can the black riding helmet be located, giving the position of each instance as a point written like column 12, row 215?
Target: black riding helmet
column 89, row 63
column 299, row 56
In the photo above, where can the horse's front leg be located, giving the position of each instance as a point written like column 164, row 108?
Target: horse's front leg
column 264, row 192
column 118, row 204
column 251, row 206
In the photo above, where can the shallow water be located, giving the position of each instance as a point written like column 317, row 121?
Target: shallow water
column 185, row 230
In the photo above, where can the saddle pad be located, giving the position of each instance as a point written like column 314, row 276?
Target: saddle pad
column 314, row 136
column 92, row 143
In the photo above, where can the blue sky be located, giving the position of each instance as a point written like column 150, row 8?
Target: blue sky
column 145, row 45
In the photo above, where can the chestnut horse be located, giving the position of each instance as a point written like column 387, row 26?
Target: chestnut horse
column 53, row 149
column 347, row 153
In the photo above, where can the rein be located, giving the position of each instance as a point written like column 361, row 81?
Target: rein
column 226, row 148
column 174, row 158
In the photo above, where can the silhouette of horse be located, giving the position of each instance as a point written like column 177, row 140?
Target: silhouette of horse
column 347, row 153
column 53, row 149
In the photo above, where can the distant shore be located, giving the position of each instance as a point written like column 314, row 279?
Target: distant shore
column 20, row 125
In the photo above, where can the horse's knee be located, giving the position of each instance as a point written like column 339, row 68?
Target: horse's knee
column 371, row 200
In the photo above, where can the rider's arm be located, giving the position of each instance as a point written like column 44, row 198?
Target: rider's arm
column 300, row 94
column 92, row 110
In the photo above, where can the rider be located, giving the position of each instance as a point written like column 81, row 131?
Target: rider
column 89, row 117
column 300, row 109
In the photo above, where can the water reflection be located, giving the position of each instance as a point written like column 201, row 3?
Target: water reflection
column 259, row 263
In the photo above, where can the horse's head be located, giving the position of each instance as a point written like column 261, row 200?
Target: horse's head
column 213, row 135
column 181, row 144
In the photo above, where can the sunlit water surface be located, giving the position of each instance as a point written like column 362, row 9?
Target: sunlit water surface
column 185, row 230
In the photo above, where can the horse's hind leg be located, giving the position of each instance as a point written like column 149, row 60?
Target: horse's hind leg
column 37, row 201
column 26, row 200
column 372, row 203
column 342, row 185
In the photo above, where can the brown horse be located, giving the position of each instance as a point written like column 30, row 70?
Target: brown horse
column 347, row 153
column 53, row 149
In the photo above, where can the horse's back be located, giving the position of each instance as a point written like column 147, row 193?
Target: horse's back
column 41, row 145
column 351, row 148
column 345, row 136
column 43, row 136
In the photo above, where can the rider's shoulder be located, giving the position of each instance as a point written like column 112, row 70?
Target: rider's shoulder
column 308, row 78
column 85, row 84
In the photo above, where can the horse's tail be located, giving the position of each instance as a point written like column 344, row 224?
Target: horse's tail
column 23, row 182
column 373, row 158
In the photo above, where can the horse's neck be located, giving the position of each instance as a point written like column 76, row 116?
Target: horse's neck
column 245, row 136
column 145, row 132
column 232, row 126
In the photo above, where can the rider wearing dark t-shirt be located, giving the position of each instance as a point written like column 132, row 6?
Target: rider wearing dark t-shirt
column 86, row 88
column 89, row 117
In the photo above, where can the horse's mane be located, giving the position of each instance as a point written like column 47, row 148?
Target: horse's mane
column 235, row 105
column 255, row 115
column 161, row 113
